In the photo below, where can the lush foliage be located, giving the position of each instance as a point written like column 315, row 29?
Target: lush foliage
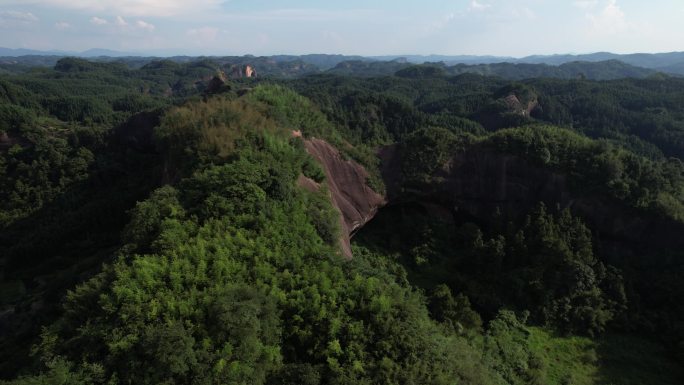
column 600, row 166
column 545, row 266
column 227, row 278
column 154, row 230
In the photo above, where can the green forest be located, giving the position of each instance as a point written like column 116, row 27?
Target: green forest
column 155, row 229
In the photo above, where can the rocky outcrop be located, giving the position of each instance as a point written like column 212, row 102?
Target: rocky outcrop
column 515, row 106
column 246, row 71
column 509, row 110
column 217, row 83
column 350, row 193
column 481, row 183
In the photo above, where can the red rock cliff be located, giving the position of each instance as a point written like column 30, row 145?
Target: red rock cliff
column 351, row 195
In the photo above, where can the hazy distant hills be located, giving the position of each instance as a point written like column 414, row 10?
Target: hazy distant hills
column 603, row 70
column 598, row 66
column 646, row 60
column 324, row 61
column 459, row 59
column 657, row 61
column 9, row 52
column 670, row 62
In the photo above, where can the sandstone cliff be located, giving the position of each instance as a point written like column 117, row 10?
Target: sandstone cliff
column 246, row 71
column 515, row 106
column 350, row 194
column 478, row 183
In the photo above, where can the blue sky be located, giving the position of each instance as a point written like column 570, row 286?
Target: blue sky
column 371, row 27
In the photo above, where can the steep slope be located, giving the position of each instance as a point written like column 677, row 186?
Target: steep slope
column 227, row 275
column 347, row 182
column 478, row 181
column 230, row 271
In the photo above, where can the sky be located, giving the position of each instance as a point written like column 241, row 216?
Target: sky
column 351, row 27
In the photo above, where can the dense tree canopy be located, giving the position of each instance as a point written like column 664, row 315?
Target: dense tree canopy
column 156, row 231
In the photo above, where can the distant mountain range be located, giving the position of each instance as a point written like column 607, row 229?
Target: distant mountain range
column 600, row 65
column 458, row 59
column 672, row 62
column 603, row 70
column 646, row 60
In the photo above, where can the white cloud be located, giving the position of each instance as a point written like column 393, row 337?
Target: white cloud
column 22, row 16
column 476, row 6
column 62, row 25
column 98, row 21
column 16, row 20
column 585, row 4
column 150, row 8
column 204, row 33
column 121, row 25
column 144, row 25
column 307, row 14
column 16, row 16
column 608, row 18
column 524, row 13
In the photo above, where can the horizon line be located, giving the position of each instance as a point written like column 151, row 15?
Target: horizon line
column 170, row 53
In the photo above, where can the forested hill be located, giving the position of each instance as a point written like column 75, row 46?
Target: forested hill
column 297, row 66
column 167, row 223
column 654, row 61
column 606, row 70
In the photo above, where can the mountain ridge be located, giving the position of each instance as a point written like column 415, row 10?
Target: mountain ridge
column 647, row 60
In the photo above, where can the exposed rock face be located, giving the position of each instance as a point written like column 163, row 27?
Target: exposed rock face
column 479, row 183
column 243, row 72
column 517, row 107
column 508, row 111
column 346, row 181
column 308, row 184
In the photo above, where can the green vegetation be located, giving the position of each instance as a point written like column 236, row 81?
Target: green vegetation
column 600, row 166
column 227, row 277
column 611, row 359
column 154, row 232
column 425, row 151
column 643, row 115
column 545, row 266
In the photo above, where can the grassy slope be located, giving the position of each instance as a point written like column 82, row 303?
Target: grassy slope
column 612, row 360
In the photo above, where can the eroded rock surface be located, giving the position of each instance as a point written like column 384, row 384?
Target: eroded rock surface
column 243, row 72
column 347, row 182
column 482, row 184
